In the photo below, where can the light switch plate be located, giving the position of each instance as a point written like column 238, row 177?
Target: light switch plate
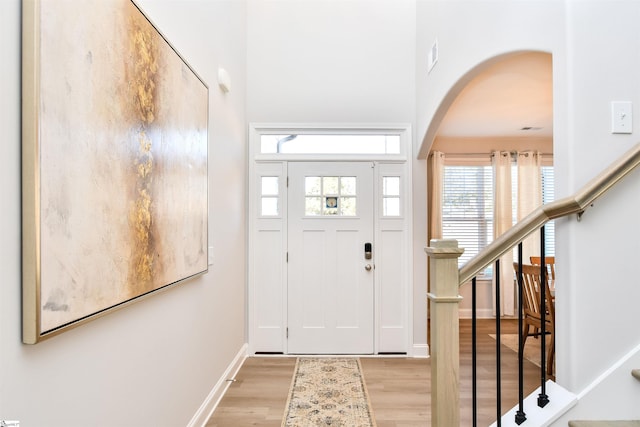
column 210, row 254
column 621, row 117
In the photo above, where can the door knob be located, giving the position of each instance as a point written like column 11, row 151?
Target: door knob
column 367, row 267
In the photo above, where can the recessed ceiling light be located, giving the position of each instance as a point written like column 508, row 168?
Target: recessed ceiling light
column 530, row 128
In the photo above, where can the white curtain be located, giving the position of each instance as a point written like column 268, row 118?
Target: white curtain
column 529, row 197
column 435, row 186
column 436, row 189
column 502, row 221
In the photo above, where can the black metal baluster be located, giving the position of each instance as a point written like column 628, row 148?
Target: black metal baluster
column 520, row 414
column 543, row 399
column 474, row 359
column 498, row 373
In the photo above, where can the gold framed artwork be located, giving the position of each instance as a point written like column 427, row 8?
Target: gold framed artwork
column 114, row 163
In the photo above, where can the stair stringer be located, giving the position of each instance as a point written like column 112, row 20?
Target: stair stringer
column 614, row 395
column 561, row 402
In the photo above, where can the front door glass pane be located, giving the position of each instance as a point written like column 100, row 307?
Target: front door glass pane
column 348, row 206
column 313, row 206
column 313, row 186
column 348, row 185
column 330, row 185
column 330, row 195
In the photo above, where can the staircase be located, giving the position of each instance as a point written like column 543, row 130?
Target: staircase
column 609, row 423
column 604, row 423
column 446, row 278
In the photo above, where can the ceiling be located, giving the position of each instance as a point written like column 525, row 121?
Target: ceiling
column 511, row 98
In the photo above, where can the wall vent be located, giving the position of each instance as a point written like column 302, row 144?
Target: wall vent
column 433, row 56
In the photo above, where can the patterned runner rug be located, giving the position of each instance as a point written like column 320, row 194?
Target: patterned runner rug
column 328, row 391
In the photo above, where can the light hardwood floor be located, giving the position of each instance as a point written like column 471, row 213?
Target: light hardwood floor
column 398, row 387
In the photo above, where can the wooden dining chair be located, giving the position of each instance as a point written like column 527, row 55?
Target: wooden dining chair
column 532, row 311
column 550, row 262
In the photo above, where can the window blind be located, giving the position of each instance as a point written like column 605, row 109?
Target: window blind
column 467, row 210
column 548, row 195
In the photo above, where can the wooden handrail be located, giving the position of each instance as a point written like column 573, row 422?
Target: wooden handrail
column 557, row 209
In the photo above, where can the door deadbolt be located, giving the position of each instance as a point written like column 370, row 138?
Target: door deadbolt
column 367, row 251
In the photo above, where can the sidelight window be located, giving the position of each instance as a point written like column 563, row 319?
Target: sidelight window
column 269, row 196
column 391, row 196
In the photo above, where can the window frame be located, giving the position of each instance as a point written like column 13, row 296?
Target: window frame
column 484, row 160
column 256, row 130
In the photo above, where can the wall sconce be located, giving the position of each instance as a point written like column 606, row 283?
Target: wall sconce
column 224, row 81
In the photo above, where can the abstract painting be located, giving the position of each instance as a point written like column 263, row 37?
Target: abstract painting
column 115, row 163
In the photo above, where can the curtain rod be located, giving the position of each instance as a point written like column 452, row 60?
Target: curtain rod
column 513, row 153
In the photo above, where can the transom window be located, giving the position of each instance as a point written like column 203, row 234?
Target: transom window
column 329, row 144
column 330, row 196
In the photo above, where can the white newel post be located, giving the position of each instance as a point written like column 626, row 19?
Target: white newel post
column 445, row 326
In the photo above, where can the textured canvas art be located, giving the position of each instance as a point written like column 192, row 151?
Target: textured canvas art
column 115, row 128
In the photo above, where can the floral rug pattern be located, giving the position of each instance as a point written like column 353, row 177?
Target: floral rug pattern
column 328, row 391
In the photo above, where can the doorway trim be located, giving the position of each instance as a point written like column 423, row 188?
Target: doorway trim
column 267, row 237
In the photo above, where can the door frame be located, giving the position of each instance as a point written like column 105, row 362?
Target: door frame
column 267, row 278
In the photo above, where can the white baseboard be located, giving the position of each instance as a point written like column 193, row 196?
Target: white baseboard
column 420, row 350
column 213, row 399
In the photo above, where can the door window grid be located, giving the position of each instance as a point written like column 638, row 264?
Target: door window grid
column 269, row 195
column 391, row 196
column 330, row 196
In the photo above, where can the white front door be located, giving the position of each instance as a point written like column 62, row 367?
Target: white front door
column 331, row 279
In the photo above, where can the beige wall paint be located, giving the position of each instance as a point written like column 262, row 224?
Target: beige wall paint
column 154, row 362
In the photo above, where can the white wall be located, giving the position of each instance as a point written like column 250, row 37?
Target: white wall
column 154, row 362
column 596, row 297
column 318, row 61
column 603, row 248
column 470, row 33
column 325, row 61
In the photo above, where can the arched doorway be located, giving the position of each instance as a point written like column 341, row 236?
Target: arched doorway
column 503, row 104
